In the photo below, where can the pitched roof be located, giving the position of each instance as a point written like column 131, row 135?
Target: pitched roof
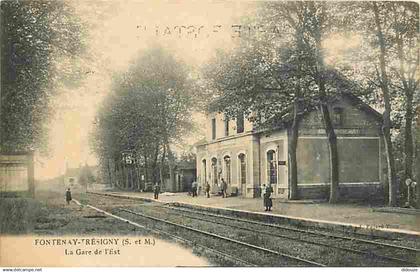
column 285, row 118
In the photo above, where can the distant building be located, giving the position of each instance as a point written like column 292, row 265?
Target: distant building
column 17, row 174
column 247, row 157
column 183, row 175
column 72, row 176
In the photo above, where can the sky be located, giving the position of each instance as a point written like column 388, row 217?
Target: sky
column 117, row 32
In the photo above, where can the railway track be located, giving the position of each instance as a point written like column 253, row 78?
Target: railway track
column 277, row 258
column 227, row 257
column 389, row 254
column 220, row 237
column 367, row 251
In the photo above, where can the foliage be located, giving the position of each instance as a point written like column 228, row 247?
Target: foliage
column 86, row 176
column 265, row 74
column 148, row 109
column 36, row 36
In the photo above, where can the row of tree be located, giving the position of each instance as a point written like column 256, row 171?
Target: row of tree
column 275, row 72
column 147, row 112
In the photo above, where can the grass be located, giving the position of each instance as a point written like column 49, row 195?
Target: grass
column 18, row 215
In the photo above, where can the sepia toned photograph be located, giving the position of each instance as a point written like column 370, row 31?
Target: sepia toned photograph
column 215, row 133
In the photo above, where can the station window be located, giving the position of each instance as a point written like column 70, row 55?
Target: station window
column 204, row 171
column 271, row 166
column 242, row 168
column 240, row 123
column 226, row 126
column 213, row 128
column 214, row 170
column 227, row 169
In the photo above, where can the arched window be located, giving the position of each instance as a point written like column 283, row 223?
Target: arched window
column 227, row 169
column 271, row 167
column 242, row 168
column 204, row 171
column 214, row 170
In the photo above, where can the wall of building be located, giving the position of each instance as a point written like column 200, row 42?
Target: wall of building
column 277, row 142
column 360, row 151
column 220, row 126
column 232, row 147
column 365, row 191
column 362, row 165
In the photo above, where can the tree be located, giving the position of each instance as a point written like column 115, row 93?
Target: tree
column 34, row 36
column 404, row 37
column 148, row 110
column 396, row 31
column 86, row 176
column 386, row 63
column 287, row 72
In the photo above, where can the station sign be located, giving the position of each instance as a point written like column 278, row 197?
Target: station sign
column 128, row 157
column 281, row 162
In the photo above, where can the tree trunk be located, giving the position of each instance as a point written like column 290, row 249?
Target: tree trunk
column 333, row 152
column 417, row 148
column 130, row 177
column 329, row 129
column 161, row 167
column 146, row 171
column 171, row 169
column 386, row 127
column 408, row 135
column 109, row 172
column 155, row 165
column 117, row 174
column 297, row 117
column 121, row 175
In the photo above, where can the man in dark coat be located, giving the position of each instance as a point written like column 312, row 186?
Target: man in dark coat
column 68, row 196
column 156, row 190
column 207, row 189
column 268, row 202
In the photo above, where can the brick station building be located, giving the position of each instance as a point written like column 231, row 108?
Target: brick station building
column 247, row 157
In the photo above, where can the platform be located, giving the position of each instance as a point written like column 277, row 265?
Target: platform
column 355, row 217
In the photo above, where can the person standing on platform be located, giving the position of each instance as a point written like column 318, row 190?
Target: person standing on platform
column 268, row 202
column 207, row 189
column 224, row 188
column 68, row 196
column 156, row 190
column 263, row 189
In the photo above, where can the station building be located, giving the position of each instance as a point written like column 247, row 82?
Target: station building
column 247, row 157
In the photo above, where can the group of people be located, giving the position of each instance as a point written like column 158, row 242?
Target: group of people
column 223, row 187
column 266, row 192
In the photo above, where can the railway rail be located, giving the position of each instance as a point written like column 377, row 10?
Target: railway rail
column 220, row 237
column 372, row 250
column 218, row 253
column 368, row 252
